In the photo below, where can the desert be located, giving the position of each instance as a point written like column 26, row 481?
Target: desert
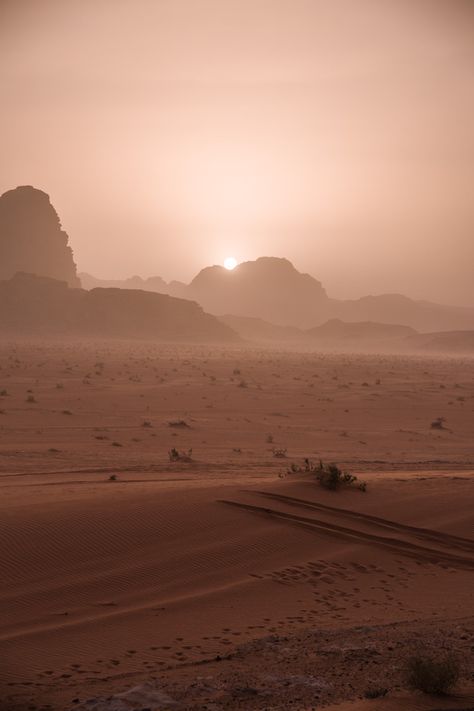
column 236, row 355
column 224, row 580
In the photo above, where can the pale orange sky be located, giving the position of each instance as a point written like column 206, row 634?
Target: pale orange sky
column 173, row 133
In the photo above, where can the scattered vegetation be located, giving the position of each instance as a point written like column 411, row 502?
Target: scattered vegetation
column 330, row 476
column 279, row 453
column 147, row 423
column 375, row 692
column 178, row 423
column 438, row 424
column 176, row 456
column 30, row 398
column 433, row 676
column 113, row 477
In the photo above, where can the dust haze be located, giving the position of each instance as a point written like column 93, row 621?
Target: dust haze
column 236, row 355
column 173, row 134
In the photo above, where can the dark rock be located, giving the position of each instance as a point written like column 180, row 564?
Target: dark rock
column 31, row 238
column 40, row 306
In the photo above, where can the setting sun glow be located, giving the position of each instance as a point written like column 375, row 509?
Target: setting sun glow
column 230, row 263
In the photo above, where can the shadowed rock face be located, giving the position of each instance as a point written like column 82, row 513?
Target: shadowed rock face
column 31, row 238
column 41, row 306
column 269, row 288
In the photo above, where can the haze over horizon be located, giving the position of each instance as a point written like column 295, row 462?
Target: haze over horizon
column 171, row 135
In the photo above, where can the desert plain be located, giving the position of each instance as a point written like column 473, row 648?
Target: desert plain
column 218, row 578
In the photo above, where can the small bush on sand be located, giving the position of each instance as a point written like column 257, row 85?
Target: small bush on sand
column 113, row 477
column 375, row 692
column 329, row 476
column 176, row 456
column 438, row 424
column 433, row 676
column 279, row 453
column 178, row 423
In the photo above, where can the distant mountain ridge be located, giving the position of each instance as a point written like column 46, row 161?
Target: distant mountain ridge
column 271, row 289
column 341, row 336
column 32, row 305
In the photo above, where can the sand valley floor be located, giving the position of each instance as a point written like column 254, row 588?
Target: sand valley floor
column 221, row 580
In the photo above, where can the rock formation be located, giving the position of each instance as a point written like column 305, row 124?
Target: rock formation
column 40, row 306
column 269, row 288
column 31, row 238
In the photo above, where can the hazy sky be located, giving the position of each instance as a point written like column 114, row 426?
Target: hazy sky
column 173, row 133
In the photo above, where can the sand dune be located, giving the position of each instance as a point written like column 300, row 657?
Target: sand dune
column 211, row 576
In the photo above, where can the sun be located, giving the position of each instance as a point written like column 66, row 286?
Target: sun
column 230, row 263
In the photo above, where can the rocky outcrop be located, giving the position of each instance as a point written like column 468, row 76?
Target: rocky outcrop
column 269, row 288
column 31, row 238
column 40, row 306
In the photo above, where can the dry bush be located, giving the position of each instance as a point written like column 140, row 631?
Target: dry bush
column 329, row 476
column 433, row 676
column 176, row 456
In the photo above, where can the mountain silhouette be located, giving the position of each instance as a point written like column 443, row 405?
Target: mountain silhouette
column 268, row 288
column 32, row 305
column 31, row 238
column 272, row 290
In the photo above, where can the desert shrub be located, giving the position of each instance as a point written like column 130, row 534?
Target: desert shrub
column 178, row 423
column 375, row 692
column 279, row 453
column 146, row 423
column 438, row 424
column 433, row 676
column 176, row 456
column 329, row 476
column 113, row 477
column 30, row 398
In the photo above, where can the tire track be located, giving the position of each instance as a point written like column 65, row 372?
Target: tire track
column 400, row 547
column 445, row 539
